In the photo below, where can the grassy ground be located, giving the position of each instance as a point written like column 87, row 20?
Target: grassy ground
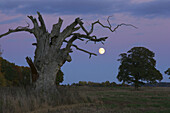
column 94, row 100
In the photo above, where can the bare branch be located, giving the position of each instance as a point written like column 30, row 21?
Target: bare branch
column 108, row 27
column 43, row 27
column 69, row 43
column 70, row 29
column 19, row 28
column 109, row 21
column 56, row 28
column 76, row 29
column 34, row 72
column 90, row 38
column 81, row 25
column 34, row 21
column 90, row 53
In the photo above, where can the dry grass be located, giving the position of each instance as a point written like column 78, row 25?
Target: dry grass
column 18, row 100
column 87, row 100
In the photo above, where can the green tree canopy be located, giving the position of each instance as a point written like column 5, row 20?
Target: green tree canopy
column 137, row 66
column 13, row 75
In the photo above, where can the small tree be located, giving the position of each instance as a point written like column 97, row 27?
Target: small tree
column 168, row 72
column 137, row 66
column 59, row 77
column 82, row 83
column 107, row 83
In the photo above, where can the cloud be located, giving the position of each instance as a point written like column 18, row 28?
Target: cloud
column 157, row 8
column 147, row 8
column 11, row 20
column 140, row 1
column 58, row 7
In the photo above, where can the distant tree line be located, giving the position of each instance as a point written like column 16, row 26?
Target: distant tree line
column 13, row 75
column 95, row 84
column 137, row 68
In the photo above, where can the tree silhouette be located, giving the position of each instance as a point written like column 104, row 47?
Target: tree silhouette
column 137, row 66
column 49, row 56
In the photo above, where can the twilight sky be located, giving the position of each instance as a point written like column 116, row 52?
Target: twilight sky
column 152, row 17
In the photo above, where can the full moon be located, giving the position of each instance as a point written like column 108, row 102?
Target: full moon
column 101, row 50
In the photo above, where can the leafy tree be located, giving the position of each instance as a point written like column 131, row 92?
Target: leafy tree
column 107, row 83
column 59, row 77
column 168, row 72
column 82, row 83
column 49, row 53
column 137, row 66
column 10, row 72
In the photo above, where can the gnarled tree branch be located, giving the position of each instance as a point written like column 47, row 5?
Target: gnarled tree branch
column 90, row 38
column 18, row 29
column 70, row 29
column 34, row 21
column 104, row 26
column 87, row 34
column 34, row 73
column 70, row 44
column 43, row 27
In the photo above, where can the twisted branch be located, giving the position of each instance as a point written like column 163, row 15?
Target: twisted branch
column 18, row 29
column 108, row 27
column 90, row 53
column 34, row 21
column 87, row 34
column 90, row 38
column 43, row 27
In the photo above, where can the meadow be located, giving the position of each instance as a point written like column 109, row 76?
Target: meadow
column 85, row 99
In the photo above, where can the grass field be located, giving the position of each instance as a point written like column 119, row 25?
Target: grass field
column 82, row 99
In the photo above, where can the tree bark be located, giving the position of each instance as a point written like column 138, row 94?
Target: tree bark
column 49, row 56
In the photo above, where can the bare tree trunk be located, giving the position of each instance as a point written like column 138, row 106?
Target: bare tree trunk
column 136, row 82
column 48, row 60
column 47, row 78
column 49, row 56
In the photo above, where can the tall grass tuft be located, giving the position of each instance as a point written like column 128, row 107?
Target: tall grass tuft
column 20, row 100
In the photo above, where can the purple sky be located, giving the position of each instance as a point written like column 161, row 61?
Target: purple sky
column 152, row 17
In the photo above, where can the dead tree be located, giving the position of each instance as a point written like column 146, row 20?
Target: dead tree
column 49, row 56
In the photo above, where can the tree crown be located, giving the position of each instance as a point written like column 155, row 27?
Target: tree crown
column 138, row 64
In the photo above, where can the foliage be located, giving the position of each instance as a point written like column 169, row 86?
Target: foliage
column 82, row 83
column 94, row 84
column 25, row 77
column 137, row 66
column 13, row 75
column 2, row 80
column 59, row 77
